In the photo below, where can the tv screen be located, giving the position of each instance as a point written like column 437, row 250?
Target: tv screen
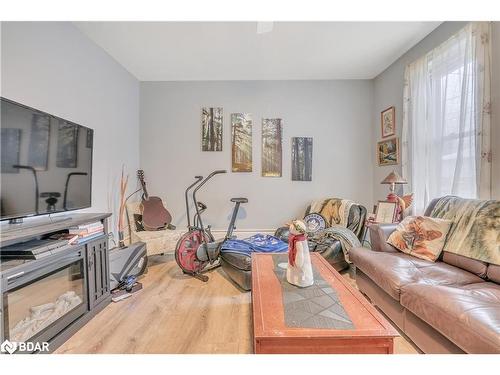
column 46, row 163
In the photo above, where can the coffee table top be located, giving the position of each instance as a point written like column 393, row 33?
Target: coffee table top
column 330, row 308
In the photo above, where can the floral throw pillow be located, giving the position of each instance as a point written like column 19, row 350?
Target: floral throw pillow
column 421, row 236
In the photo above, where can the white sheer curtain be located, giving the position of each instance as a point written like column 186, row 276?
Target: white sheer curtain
column 446, row 119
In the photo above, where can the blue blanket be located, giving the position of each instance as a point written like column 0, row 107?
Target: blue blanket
column 259, row 243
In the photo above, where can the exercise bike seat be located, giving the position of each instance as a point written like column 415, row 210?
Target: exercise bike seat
column 239, row 200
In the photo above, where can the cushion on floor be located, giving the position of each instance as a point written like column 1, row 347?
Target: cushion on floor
column 241, row 277
column 239, row 261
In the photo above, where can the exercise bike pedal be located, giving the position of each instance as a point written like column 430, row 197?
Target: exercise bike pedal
column 201, row 277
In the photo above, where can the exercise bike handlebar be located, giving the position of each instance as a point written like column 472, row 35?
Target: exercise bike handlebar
column 219, row 171
column 198, row 179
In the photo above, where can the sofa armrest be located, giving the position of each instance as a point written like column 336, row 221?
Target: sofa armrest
column 379, row 233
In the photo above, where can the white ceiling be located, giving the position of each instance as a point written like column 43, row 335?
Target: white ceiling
column 186, row 51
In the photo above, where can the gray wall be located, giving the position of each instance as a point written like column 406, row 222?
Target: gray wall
column 388, row 91
column 337, row 114
column 53, row 67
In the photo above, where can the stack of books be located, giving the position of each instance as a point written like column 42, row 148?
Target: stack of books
column 88, row 231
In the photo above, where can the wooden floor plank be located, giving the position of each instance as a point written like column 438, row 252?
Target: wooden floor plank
column 175, row 313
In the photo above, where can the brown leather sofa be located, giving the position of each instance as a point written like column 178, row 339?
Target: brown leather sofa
column 450, row 306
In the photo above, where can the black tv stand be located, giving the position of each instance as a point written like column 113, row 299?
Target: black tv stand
column 91, row 257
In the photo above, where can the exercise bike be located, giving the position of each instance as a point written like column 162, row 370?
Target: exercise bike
column 197, row 251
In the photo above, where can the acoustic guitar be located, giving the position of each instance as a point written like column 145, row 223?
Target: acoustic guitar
column 154, row 215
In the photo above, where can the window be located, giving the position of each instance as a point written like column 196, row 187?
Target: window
column 445, row 124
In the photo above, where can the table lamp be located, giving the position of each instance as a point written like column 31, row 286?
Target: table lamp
column 392, row 179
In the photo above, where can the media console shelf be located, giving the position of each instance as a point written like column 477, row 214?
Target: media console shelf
column 64, row 289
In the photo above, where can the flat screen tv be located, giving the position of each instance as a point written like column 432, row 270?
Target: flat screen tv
column 46, row 163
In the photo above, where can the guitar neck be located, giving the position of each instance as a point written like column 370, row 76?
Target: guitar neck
column 144, row 190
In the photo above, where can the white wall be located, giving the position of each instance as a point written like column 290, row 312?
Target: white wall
column 53, row 67
column 388, row 91
column 337, row 114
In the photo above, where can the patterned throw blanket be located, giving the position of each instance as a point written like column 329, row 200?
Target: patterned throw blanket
column 475, row 232
column 336, row 214
column 334, row 210
column 345, row 236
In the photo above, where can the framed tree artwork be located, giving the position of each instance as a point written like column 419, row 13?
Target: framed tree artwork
column 272, row 132
column 388, row 152
column 67, row 145
column 388, row 122
column 241, row 142
column 38, row 153
column 302, row 148
column 211, row 129
column 11, row 145
column 89, row 142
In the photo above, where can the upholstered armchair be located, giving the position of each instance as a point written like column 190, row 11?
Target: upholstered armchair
column 158, row 241
column 329, row 248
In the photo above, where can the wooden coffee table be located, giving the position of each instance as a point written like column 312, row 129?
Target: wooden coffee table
column 328, row 317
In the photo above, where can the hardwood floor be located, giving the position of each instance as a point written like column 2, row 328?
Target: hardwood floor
column 175, row 313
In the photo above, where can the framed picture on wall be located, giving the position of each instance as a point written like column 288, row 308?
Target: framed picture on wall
column 272, row 147
column 386, row 212
column 388, row 152
column 241, row 142
column 211, row 129
column 388, row 122
column 302, row 149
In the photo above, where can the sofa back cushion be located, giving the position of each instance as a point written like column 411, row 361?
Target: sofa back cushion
column 472, row 265
column 431, row 206
column 379, row 233
column 475, row 232
column 494, row 273
column 420, row 236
